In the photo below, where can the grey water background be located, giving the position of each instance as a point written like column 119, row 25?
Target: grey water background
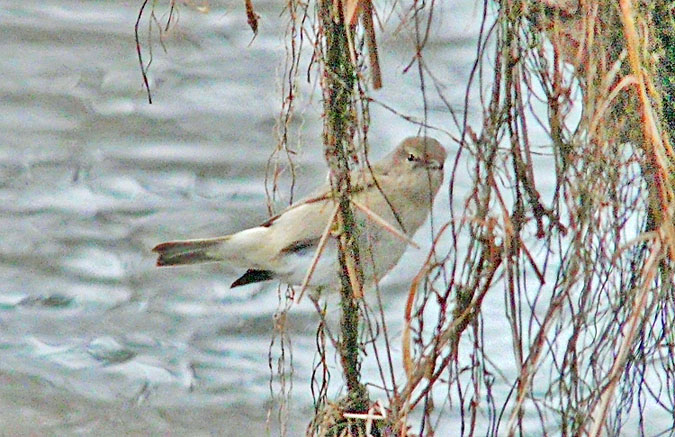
column 93, row 338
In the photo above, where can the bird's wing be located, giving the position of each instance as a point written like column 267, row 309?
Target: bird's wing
column 301, row 225
column 362, row 179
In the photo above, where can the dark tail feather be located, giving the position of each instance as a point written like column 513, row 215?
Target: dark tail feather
column 252, row 276
column 175, row 253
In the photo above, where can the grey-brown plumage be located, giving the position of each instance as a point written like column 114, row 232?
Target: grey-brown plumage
column 174, row 253
column 400, row 189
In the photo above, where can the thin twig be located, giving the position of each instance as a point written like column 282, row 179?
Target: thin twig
column 367, row 17
column 319, row 250
column 139, row 51
column 383, row 223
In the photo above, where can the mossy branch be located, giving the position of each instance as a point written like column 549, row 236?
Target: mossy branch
column 338, row 89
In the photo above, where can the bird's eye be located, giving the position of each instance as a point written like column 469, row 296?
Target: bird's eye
column 412, row 158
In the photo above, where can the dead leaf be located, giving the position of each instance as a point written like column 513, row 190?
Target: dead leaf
column 252, row 17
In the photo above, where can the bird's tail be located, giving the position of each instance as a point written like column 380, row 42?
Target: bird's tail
column 174, row 253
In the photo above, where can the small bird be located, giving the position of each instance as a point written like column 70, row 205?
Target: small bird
column 392, row 200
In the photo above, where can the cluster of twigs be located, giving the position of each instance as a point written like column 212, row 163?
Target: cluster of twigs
column 585, row 269
column 584, row 266
column 591, row 330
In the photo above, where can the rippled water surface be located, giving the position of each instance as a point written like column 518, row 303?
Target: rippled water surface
column 94, row 338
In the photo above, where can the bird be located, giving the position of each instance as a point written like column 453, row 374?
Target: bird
column 394, row 197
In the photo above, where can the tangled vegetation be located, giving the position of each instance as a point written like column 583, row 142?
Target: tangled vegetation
column 585, row 269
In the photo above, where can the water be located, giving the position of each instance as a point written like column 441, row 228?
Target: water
column 95, row 339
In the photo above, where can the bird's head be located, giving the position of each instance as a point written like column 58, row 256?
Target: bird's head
column 420, row 153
